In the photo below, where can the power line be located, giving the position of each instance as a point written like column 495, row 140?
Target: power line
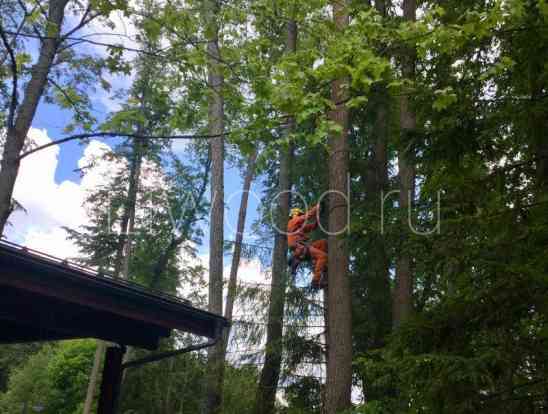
column 248, row 322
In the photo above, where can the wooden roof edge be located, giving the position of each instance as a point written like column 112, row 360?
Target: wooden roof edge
column 85, row 274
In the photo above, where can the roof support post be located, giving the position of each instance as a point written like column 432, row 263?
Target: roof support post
column 112, row 380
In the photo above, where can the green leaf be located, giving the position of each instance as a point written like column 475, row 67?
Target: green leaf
column 444, row 98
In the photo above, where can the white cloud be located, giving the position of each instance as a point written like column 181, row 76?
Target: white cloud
column 252, row 272
column 51, row 205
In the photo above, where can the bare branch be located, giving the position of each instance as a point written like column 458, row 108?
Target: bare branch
column 87, row 17
column 92, row 42
column 83, row 39
column 115, row 134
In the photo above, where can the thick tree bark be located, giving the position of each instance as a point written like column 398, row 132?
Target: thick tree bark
column 216, row 234
column 270, row 374
column 403, row 305
column 339, row 363
column 17, row 133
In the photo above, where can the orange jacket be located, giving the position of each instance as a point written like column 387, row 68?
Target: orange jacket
column 298, row 228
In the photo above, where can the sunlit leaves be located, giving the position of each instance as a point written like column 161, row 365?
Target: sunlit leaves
column 444, row 98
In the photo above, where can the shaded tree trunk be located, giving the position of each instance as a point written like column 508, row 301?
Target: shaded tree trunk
column 22, row 120
column 538, row 120
column 339, row 363
column 378, row 283
column 270, row 374
column 216, row 238
column 403, row 305
column 380, row 296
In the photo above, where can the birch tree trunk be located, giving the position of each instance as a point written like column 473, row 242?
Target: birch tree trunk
column 403, row 305
column 339, row 363
column 22, row 120
column 270, row 374
column 216, row 234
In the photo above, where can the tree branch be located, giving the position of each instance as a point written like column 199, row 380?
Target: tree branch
column 86, row 18
column 42, row 10
column 92, row 42
column 114, row 134
column 67, row 97
column 18, row 32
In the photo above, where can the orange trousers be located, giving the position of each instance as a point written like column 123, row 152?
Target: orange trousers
column 318, row 251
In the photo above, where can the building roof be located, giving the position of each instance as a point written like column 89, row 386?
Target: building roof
column 45, row 298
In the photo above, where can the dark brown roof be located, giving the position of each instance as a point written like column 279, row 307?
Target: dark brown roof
column 45, row 298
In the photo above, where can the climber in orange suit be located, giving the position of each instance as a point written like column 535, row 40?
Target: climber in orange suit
column 299, row 227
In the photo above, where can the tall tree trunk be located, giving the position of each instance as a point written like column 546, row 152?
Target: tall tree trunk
column 376, row 187
column 339, row 363
column 94, row 376
column 216, row 127
column 240, row 227
column 17, row 132
column 403, row 305
column 379, row 297
column 232, row 283
column 538, row 116
column 270, row 374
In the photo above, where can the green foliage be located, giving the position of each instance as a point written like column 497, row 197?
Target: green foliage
column 54, row 378
column 303, row 396
column 11, row 357
column 177, row 384
column 68, row 370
